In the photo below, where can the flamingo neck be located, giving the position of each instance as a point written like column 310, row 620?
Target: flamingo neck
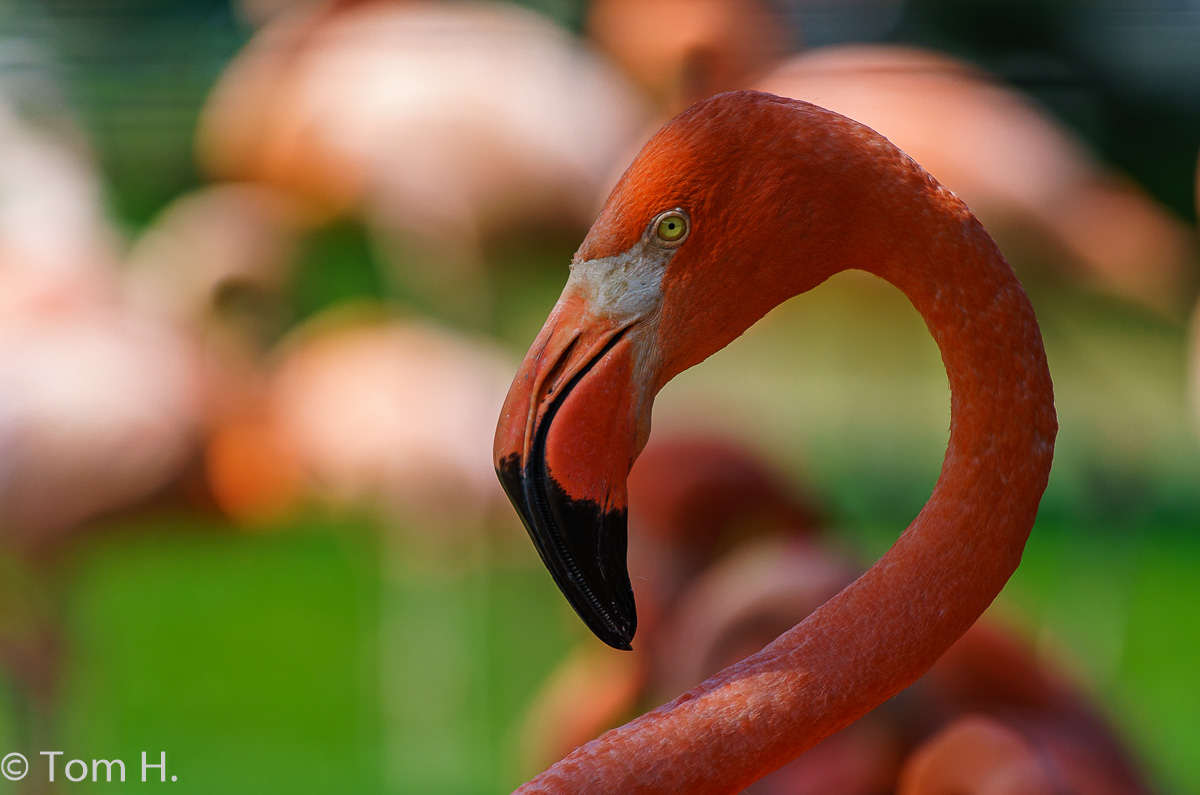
column 887, row 628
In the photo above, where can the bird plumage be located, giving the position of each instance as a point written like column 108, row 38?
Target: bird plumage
column 781, row 194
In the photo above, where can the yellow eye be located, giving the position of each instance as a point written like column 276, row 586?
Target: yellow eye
column 670, row 228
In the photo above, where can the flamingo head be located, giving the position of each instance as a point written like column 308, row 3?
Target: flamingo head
column 707, row 230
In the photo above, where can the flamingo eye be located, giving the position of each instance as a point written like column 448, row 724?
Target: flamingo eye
column 671, row 228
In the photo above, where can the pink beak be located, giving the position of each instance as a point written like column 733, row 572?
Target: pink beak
column 572, row 425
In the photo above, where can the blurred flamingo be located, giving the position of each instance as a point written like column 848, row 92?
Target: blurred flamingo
column 1030, row 180
column 99, row 409
column 697, row 497
column 753, row 198
column 988, row 674
column 98, row 412
column 98, row 404
column 682, row 51
column 55, row 241
column 445, row 125
column 213, row 266
column 977, row 755
column 360, row 408
column 355, row 407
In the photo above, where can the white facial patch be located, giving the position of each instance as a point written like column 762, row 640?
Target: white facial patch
column 626, row 286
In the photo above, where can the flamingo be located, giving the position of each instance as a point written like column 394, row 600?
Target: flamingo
column 446, row 126
column 740, row 202
column 978, row 755
column 54, row 237
column 344, row 412
column 996, row 690
column 285, row 423
column 97, row 403
column 1030, row 179
column 213, row 267
column 710, row 46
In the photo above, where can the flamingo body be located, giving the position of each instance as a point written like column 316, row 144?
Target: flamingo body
column 1034, row 184
column 98, row 410
column 774, row 196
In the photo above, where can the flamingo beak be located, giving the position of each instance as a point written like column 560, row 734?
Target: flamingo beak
column 575, row 419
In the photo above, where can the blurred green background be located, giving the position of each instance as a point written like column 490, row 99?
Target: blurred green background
column 324, row 652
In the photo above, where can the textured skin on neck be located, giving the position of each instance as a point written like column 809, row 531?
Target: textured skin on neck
column 887, row 628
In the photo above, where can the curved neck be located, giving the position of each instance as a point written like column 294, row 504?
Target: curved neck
column 887, row 628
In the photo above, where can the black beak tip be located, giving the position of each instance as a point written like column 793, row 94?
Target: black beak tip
column 614, row 623
column 621, row 639
column 582, row 546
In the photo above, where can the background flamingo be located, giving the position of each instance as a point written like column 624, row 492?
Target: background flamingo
column 98, row 403
column 347, row 104
column 1031, row 181
column 356, row 411
column 979, row 755
column 703, row 49
column 83, row 376
column 365, row 409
